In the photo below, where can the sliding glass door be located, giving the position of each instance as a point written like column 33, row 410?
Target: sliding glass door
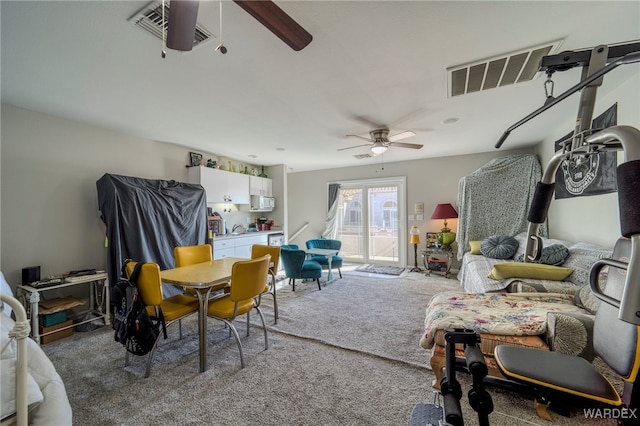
column 371, row 218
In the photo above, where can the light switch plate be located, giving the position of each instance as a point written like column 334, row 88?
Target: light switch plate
column 420, row 217
column 411, row 217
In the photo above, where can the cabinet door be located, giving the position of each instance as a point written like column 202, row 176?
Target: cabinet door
column 213, row 181
column 223, row 248
column 255, row 185
column 219, row 254
column 243, row 251
column 245, row 243
column 267, row 187
column 238, row 188
column 260, row 186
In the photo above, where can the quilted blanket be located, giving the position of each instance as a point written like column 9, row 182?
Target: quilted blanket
column 510, row 314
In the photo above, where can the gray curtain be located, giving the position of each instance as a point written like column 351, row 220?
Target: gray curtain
column 495, row 199
column 331, row 223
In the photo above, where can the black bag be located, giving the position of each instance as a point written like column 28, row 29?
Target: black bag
column 133, row 326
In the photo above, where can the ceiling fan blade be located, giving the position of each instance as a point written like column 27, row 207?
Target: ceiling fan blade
column 368, row 122
column 360, row 137
column 412, row 116
column 278, row 22
column 357, row 146
column 402, row 135
column 406, row 145
column 182, row 24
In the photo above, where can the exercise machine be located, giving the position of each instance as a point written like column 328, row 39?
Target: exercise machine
column 450, row 412
column 572, row 380
column 553, row 376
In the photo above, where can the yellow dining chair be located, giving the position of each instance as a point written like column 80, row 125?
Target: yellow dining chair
column 189, row 255
column 171, row 309
column 259, row 250
column 247, row 283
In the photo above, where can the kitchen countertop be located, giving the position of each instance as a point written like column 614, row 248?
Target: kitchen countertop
column 248, row 234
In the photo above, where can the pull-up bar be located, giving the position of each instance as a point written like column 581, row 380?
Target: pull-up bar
column 629, row 58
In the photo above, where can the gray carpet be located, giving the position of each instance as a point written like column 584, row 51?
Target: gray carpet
column 346, row 355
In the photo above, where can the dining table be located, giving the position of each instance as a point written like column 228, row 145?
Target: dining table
column 203, row 278
column 328, row 253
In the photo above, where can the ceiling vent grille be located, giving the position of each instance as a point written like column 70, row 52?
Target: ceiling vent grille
column 503, row 70
column 362, row 156
column 150, row 20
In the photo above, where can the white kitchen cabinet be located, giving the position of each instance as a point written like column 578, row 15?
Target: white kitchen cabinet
column 244, row 243
column 237, row 245
column 260, row 186
column 238, row 188
column 221, row 186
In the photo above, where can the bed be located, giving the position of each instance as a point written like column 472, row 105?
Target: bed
column 475, row 268
column 32, row 390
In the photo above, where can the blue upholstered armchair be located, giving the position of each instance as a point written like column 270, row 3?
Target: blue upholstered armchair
column 297, row 266
column 323, row 243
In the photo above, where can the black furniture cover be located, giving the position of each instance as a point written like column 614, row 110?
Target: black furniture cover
column 147, row 218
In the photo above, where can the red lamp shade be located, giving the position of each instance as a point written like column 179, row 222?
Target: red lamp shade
column 444, row 211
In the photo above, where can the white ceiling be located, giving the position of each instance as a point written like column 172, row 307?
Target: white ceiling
column 369, row 61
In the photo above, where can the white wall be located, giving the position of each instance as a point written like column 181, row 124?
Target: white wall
column 595, row 218
column 48, row 187
column 431, row 181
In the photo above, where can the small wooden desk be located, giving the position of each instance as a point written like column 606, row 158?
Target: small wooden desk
column 203, row 278
column 328, row 253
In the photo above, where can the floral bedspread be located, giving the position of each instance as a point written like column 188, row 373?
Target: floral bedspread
column 511, row 314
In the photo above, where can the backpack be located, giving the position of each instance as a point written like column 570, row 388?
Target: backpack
column 133, row 326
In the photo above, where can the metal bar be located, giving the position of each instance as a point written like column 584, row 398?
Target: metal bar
column 298, row 232
column 20, row 332
column 628, row 59
column 567, row 60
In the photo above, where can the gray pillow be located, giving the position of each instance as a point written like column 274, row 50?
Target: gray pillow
column 585, row 299
column 499, row 247
column 554, row 254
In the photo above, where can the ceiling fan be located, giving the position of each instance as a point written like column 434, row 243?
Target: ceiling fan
column 183, row 15
column 380, row 141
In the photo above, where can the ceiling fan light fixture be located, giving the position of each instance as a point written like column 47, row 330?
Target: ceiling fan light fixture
column 379, row 149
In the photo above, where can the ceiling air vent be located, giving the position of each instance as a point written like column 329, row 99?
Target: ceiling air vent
column 150, row 20
column 515, row 67
column 362, row 156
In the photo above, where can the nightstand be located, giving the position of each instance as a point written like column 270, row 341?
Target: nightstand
column 437, row 259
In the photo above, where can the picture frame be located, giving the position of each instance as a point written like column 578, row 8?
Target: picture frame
column 196, row 159
column 432, row 239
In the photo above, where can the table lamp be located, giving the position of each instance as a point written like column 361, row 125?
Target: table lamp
column 414, row 233
column 445, row 211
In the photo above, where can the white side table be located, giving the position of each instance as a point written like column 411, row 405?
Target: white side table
column 33, row 294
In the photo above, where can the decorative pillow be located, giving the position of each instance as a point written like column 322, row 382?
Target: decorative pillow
column 475, row 247
column 554, row 254
column 499, row 247
column 585, row 298
column 536, row 271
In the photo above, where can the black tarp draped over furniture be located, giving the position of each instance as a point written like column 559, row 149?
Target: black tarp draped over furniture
column 147, row 218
